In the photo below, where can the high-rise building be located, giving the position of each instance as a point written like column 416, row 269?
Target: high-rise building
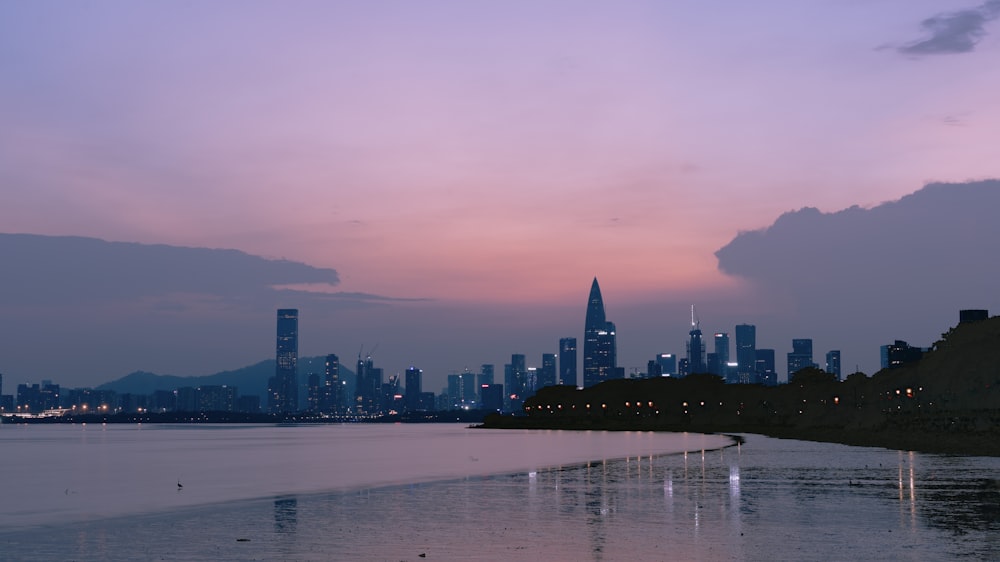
column 531, row 382
column 833, row 363
column 462, row 391
column 722, row 356
column 368, row 388
column 801, row 356
column 516, row 382
column 508, row 377
column 668, row 364
column 314, row 393
column 653, row 369
column 567, row 361
column 683, row 368
column 695, row 347
column 333, row 387
column 766, row 368
column 390, row 400
column 712, row 364
column 483, row 381
column 972, row 315
column 547, row 374
column 283, row 391
column 485, row 374
column 746, row 353
column 491, row 397
column 413, row 389
column 599, row 344
column 900, row 353
column 215, row 398
column 6, row 401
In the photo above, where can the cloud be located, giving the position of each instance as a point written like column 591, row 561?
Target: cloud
column 954, row 32
column 69, row 270
column 862, row 277
column 931, row 233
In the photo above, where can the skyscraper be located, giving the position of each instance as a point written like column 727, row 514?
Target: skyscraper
column 800, row 357
column 695, row 347
column 746, row 354
column 599, row 345
column 668, row 364
column 567, row 361
column 766, row 368
column 314, row 393
column 333, row 395
column 462, row 391
column 547, row 374
column 485, row 374
column 283, row 392
column 722, row 355
column 390, row 400
column 368, row 388
column 833, row 363
column 489, row 397
column 413, row 389
column 516, row 381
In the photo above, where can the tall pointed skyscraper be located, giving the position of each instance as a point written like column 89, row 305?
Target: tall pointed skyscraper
column 599, row 346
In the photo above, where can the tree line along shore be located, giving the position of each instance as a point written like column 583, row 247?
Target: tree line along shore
column 947, row 402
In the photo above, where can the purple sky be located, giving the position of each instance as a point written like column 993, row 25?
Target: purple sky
column 491, row 158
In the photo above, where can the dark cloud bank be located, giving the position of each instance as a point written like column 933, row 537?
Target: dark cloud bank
column 67, row 269
column 81, row 311
column 859, row 278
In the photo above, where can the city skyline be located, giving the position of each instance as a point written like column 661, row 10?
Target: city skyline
column 438, row 179
column 368, row 397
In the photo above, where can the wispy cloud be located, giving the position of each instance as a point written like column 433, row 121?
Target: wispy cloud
column 954, row 32
column 329, row 290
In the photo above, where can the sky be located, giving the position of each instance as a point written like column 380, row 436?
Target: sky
column 465, row 169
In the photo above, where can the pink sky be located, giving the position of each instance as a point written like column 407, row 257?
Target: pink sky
column 482, row 153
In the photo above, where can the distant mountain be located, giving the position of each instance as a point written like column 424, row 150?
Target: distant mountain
column 250, row 380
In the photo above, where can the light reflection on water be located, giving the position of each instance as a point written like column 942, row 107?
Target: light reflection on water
column 768, row 499
column 61, row 473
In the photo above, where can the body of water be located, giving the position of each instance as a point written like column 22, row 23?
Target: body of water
column 396, row 492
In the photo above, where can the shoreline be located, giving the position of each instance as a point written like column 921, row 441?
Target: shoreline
column 976, row 444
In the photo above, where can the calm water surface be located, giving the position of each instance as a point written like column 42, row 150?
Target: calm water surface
column 53, row 474
column 372, row 492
